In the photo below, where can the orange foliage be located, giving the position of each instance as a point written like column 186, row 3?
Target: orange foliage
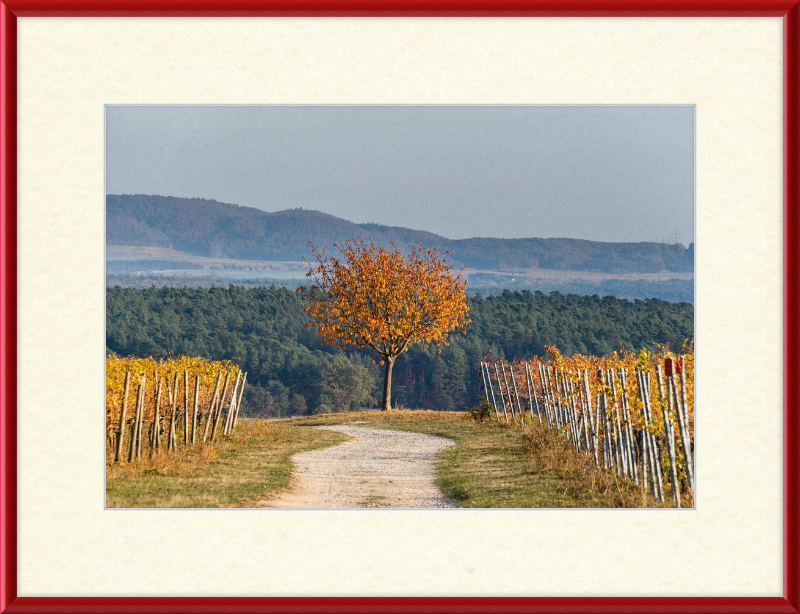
column 569, row 370
column 375, row 298
column 571, row 367
column 156, row 371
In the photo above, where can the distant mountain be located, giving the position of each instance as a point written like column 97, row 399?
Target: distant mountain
column 219, row 230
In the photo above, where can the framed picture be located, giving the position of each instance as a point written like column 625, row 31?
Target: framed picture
column 64, row 66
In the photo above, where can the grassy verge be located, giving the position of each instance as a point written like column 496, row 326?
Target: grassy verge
column 235, row 472
column 494, row 465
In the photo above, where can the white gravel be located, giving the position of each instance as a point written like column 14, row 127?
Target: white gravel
column 380, row 468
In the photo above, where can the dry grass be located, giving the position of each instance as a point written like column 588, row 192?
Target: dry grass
column 492, row 465
column 498, row 465
column 236, row 471
column 553, row 451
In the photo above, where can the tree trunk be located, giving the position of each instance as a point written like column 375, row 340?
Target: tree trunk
column 387, row 384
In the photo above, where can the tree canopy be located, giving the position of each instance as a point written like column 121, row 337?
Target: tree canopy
column 291, row 372
column 376, row 298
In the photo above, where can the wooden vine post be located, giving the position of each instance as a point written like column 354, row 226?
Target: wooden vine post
column 608, row 427
column 226, row 428
column 194, row 408
column 212, row 406
column 592, row 421
column 137, row 421
column 633, row 471
column 173, row 402
column 516, row 393
column 683, row 421
column 239, row 401
column 146, row 428
column 186, row 407
column 669, row 432
column 547, row 395
column 485, row 387
column 532, row 399
column 584, row 414
column 622, row 452
column 508, row 392
column 487, row 378
column 122, row 417
column 156, row 436
column 500, row 386
column 220, row 405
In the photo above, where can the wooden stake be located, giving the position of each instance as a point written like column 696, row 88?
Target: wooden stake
column 487, row 376
column 121, row 435
column 686, row 439
column 686, row 446
column 584, row 415
column 508, row 390
column 139, row 428
column 634, row 461
column 155, row 442
column 172, row 442
column 619, row 400
column 555, row 388
column 239, row 401
column 567, row 406
column 500, row 386
column 186, row 407
column 552, row 394
column 669, row 431
column 532, row 393
column 235, row 401
column 545, row 396
column 576, row 436
column 622, row 458
column 608, row 440
column 226, row 428
column 220, row 406
column 656, row 447
column 136, row 421
column 194, row 409
column 516, row 393
column 485, row 386
column 572, row 416
column 212, row 406
column 646, row 482
column 588, row 393
column 655, row 461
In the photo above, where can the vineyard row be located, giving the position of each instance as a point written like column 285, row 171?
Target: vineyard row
column 634, row 416
column 161, row 412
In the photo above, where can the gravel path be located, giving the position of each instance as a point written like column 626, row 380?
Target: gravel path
column 379, row 469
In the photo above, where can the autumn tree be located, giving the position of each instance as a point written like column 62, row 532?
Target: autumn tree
column 375, row 298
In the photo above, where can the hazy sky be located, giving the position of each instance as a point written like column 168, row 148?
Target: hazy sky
column 605, row 173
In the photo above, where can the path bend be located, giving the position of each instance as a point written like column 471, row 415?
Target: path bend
column 380, row 468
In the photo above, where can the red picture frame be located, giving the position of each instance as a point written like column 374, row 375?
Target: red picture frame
column 789, row 10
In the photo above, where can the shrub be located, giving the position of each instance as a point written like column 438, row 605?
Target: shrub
column 482, row 412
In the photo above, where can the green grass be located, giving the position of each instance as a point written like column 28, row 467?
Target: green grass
column 492, row 465
column 236, row 471
column 495, row 465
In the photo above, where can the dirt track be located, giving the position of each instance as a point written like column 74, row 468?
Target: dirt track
column 380, row 468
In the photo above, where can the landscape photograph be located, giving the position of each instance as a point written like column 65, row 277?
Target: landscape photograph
column 400, row 307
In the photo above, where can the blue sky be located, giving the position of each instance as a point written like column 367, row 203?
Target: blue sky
column 605, row 173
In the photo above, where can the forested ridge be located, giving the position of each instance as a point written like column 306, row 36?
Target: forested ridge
column 675, row 290
column 212, row 229
column 291, row 372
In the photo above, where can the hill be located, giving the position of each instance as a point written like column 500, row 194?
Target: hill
column 212, row 229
